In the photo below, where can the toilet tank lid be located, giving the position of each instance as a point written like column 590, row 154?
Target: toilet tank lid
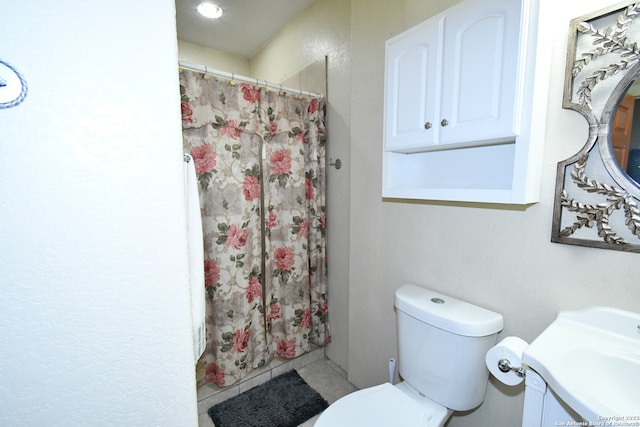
column 447, row 313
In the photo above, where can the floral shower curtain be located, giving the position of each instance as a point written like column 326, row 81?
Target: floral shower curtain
column 260, row 162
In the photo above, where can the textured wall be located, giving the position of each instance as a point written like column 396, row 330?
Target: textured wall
column 216, row 59
column 493, row 256
column 95, row 325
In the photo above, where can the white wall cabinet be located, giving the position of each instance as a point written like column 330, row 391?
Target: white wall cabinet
column 459, row 104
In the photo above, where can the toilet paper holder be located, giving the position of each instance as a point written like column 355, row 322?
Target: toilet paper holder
column 505, row 366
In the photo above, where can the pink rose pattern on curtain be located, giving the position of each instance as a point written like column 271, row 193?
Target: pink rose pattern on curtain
column 243, row 138
column 296, row 300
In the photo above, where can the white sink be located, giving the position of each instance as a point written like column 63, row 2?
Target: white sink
column 591, row 359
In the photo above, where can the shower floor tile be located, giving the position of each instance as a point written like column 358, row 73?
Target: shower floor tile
column 321, row 374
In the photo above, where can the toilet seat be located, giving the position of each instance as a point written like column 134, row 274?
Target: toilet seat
column 384, row 405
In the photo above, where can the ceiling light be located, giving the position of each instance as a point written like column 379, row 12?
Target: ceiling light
column 210, row 10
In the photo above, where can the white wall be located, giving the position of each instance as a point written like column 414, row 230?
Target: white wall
column 95, row 319
column 493, row 256
column 213, row 58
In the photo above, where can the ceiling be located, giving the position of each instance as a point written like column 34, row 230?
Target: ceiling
column 245, row 27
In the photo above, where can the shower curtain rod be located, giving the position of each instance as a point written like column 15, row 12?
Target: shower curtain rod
column 232, row 76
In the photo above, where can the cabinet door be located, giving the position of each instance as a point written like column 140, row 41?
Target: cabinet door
column 410, row 88
column 479, row 72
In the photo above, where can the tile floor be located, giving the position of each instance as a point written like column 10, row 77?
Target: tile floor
column 320, row 373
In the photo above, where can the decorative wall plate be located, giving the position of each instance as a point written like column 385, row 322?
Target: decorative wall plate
column 13, row 87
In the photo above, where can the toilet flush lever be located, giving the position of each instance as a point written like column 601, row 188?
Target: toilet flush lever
column 505, row 366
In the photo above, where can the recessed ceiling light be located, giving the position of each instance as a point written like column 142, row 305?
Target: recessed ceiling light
column 210, row 10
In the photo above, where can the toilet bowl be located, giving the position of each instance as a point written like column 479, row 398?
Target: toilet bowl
column 442, row 343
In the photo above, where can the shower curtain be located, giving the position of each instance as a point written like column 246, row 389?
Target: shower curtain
column 260, row 163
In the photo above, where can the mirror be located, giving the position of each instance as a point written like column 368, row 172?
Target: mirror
column 625, row 132
column 597, row 200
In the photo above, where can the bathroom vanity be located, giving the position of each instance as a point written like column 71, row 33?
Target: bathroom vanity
column 584, row 369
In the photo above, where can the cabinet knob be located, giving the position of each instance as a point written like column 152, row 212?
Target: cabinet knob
column 444, row 122
column 427, row 125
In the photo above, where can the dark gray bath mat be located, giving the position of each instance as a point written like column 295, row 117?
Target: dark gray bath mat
column 284, row 401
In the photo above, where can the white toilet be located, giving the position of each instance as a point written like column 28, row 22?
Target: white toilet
column 442, row 343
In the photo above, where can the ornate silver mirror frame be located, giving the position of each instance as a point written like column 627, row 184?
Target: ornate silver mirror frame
column 596, row 201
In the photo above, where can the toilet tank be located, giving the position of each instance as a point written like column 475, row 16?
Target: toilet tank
column 442, row 342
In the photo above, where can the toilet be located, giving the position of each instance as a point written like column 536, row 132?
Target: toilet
column 442, row 342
